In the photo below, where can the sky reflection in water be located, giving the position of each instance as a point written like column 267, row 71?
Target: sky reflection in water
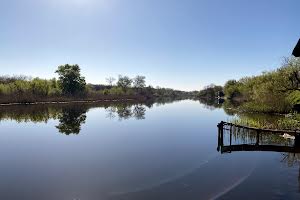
column 129, row 151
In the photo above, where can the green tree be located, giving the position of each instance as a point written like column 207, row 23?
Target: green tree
column 231, row 89
column 124, row 82
column 70, row 80
column 290, row 75
column 210, row 91
column 139, row 82
column 39, row 87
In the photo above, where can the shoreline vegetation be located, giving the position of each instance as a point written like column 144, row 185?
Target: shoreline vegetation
column 275, row 95
column 272, row 92
column 71, row 87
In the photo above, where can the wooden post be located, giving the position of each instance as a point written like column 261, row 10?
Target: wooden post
column 220, row 135
column 297, row 140
column 257, row 137
column 230, row 135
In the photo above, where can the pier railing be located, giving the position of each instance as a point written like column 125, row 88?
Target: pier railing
column 233, row 137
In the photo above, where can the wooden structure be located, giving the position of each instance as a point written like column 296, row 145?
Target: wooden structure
column 242, row 138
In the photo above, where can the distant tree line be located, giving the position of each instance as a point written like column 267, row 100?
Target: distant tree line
column 71, row 85
column 211, row 92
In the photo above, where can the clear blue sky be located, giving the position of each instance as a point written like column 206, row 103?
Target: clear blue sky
column 183, row 44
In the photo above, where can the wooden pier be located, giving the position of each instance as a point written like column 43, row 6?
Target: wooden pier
column 232, row 138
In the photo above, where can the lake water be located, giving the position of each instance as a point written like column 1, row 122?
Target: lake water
column 133, row 152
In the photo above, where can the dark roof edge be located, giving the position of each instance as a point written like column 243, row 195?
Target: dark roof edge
column 296, row 51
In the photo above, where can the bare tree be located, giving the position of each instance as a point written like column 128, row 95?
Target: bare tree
column 139, row 82
column 110, row 81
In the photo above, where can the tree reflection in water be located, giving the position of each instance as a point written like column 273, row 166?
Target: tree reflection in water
column 71, row 119
column 71, row 116
column 292, row 160
column 212, row 104
column 139, row 112
column 111, row 112
column 125, row 112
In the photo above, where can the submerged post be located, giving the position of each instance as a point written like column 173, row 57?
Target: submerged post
column 220, row 135
column 231, row 132
column 297, row 140
column 257, row 137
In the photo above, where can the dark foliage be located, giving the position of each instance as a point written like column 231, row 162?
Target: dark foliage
column 70, row 79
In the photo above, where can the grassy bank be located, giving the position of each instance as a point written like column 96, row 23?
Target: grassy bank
column 276, row 91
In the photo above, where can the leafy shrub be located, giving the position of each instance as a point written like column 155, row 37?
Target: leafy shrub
column 116, row 91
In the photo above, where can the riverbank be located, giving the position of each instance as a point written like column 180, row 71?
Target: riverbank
column 103, row 99
column 72, row 87
column 66, row 100
column 276, row 91
column 69, row 102
column 265, row 120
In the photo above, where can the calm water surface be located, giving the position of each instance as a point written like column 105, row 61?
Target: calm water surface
column 133, row 152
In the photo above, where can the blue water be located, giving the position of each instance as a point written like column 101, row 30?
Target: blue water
column 168, row 153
